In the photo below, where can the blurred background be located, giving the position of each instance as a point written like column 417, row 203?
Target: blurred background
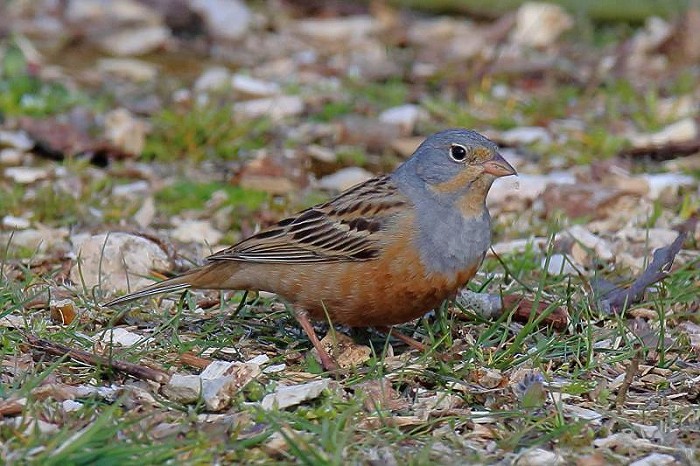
column 145, row 134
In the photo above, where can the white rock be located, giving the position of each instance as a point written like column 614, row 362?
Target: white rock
column 213, row 79
column 27, row 175
column 602, row 249
column 217, row 369
column 125, row 131
column 286, row 396
column 525, row 187
column 32, row 425
column 540, row 24
column 660, row 183
column 558, row 264
column 119, row 336
column 225, row 19
column 404, row 116
column 274, row 368
column 114, row 11
column 680, row 131
column 128, row 68
column 11, row 156
column 260, row 359
column 70, row 406
column 15, row 223
column 344, row 178
column 183, row 388
column 539, row 457
column 13, row 321
column 252, row 87
column 221, row 380
column 41, row 239
column 135, row 41
column 342, row 31
column 196, row 231
column 655, row 459
column 526, row 135
column 16, row 139
column 275, row 108
column 321, row 153
column 654, row 237
column 131, row 190
column 116, row 261
column 146, row 213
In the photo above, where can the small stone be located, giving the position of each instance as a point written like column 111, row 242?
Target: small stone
column 275, row 108
column 558, row 264
column 183, row 389
column 341, row 31
column 119, row 336
column 491, row 378
column 125, row 131
column 116, row 261
column 128, row 68
column 135, row 41
column 225, row 19
column 196, row 231
column 274, row 368
column 40, row 240
column 213, row 79
column 17, row 140
column 11, row 156
column 344, row 350
column 70, row 406
column 655, row 459
column 260, row 359
column 27, row 175
column 404, row 116
column 344, row 178
column 602, row 249
column 539, row 457
column 251, row 87
column 322, row 154
column 680, row 131
column 661, row 183
column 15, row 223
column 518, row 245
column 221, row 380
column 131, row 190
column 287, row 396
column 539, row 24
column 146, row 213
column 525, row 135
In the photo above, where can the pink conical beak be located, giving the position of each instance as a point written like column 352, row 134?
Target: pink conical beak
column 498, row 166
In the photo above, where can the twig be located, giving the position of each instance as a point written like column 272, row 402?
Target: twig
column 618, row 299
column 193, row 360
column 57, row 349
column 631, row 372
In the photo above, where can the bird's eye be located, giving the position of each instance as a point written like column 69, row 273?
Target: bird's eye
column 458, row 153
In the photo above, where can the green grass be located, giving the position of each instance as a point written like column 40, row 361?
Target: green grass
column 189, row 195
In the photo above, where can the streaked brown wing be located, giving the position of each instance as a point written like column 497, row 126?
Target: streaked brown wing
column 347, row 228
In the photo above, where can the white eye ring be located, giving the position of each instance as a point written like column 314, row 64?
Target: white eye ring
column 458, row 152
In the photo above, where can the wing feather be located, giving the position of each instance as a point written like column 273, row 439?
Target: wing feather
column 348, row 228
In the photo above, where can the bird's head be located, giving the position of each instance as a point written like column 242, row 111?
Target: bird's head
column 456, row 165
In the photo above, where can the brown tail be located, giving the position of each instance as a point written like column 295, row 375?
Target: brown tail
column 171, row 285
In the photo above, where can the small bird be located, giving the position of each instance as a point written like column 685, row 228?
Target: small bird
column 381, row 253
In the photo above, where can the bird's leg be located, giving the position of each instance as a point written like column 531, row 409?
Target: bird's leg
column 302, row 317
column 413, row 343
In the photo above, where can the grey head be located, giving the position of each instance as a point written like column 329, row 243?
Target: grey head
column 449, row 161
column 447, row 179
